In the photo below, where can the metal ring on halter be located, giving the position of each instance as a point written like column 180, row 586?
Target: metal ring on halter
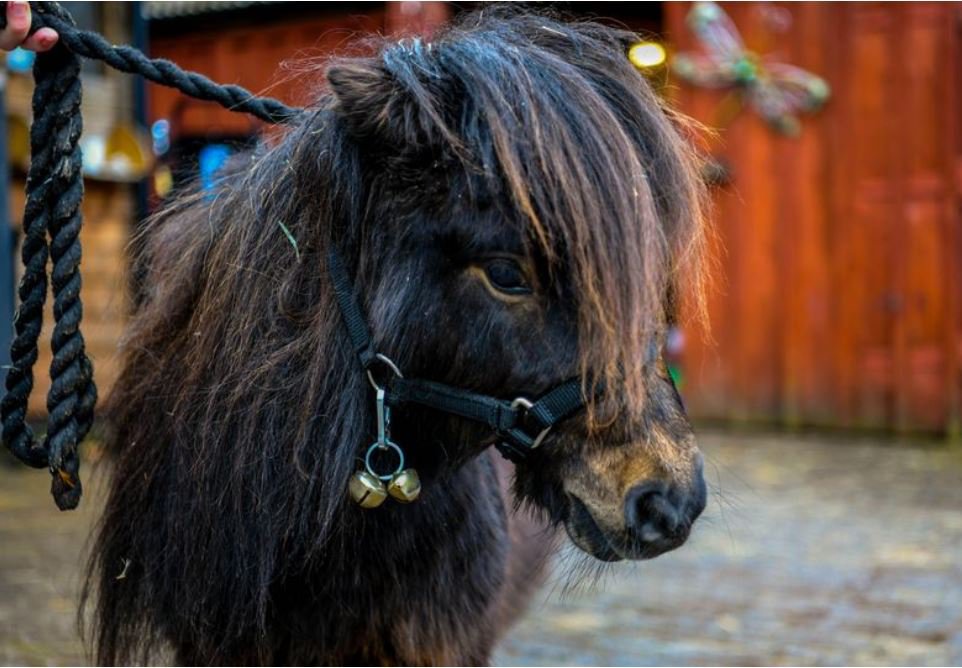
column 527, row 404
column 524, row 403
column 386, row 361
column 377, row 446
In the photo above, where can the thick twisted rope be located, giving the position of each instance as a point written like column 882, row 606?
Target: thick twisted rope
column 51, row 227
column 128, row 59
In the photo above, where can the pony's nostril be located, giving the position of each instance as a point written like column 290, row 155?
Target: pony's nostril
column 665, row 513
column 650, row 533
column 642, row 505
column 649, row 512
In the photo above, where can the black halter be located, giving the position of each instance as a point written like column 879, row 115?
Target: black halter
column 520, row 425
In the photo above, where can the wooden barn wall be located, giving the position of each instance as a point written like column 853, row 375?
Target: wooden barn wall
column 250, row 56
column 278, row 59
column 836, row 300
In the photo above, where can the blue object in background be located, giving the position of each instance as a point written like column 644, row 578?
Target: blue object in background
column 211, row 158
column 160, row 136
column 20, row 60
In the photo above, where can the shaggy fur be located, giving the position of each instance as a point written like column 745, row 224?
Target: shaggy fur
column 241, row 411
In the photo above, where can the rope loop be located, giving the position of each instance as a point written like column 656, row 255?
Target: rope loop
column 51, row 237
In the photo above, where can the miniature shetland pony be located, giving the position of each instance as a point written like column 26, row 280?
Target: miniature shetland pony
column 514, row 206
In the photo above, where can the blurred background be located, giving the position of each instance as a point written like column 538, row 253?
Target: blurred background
column 828, row 393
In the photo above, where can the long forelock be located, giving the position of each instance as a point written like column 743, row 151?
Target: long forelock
column 594, row 167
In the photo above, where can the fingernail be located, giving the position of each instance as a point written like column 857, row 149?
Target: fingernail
column 20, row 7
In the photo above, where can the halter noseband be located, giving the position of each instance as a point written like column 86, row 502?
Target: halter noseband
column 520, row 425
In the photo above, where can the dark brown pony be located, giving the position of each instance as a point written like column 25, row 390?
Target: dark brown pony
column 513, row 205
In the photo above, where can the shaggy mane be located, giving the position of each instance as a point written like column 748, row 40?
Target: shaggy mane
column 238, row 381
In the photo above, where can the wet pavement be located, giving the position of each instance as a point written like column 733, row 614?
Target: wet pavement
column 813, row 550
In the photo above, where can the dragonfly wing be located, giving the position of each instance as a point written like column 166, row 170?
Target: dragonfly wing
column 804, row 90
column 777, row 110
column 770, row 102
column 716, row 31
column 702, row 70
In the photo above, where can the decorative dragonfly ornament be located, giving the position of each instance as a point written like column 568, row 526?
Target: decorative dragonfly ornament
column 776, row 91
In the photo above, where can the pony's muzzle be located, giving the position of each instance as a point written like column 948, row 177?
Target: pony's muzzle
column 659, row 516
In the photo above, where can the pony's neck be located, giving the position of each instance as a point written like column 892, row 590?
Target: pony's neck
column 423, row 580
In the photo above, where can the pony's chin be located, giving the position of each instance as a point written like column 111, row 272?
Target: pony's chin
column 585, row 533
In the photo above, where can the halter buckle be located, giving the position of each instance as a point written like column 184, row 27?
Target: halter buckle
column 386, row 361
column 527, row 405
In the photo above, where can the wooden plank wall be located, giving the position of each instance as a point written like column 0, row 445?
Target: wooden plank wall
column 250, row 56
column 837, row 296
column 278, row 59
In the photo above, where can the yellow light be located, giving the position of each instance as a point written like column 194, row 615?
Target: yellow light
column 644, row 55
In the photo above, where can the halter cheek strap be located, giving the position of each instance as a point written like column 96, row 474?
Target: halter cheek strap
column 520, row 425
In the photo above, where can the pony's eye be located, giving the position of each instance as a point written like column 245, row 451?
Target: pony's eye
column 506, row 276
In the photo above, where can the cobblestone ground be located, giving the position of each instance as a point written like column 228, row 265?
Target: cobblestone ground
column 812, row 551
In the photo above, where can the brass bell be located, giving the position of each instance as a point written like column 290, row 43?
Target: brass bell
column 405, row 486
column 366, row 490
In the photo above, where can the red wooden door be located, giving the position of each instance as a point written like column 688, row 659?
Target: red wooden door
column 837, row 300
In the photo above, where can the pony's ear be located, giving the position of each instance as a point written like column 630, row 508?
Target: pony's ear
column 379, row 109
column 365, row 94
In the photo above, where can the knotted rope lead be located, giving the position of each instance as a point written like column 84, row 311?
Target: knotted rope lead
column 51, row 229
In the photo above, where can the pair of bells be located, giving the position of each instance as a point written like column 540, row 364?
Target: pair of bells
column 368, row 488
column 370, row 491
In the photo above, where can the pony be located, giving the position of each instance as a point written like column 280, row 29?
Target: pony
column 514, row 207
